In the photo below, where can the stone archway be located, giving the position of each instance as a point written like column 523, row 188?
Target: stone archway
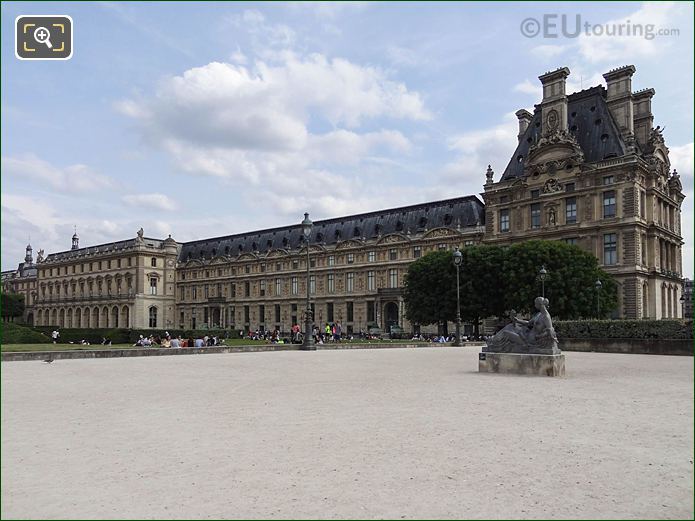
column 390, row 316
column 125, row 317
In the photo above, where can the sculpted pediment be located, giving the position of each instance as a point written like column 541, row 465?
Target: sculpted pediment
column 393, row 238
column 277, row 253
column 441, row 232
column 351, row 243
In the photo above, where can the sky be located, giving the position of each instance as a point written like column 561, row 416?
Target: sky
column 204, row 119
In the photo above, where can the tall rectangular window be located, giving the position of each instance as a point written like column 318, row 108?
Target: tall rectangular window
column 331, row 283
column 232, row 290
column 312, row 284
column 393, row 278
column 393, row 254
column 247, row 315
column 329, row 312
column 371, row 315
column 643, row 205
column 504, row 220
column 609, row 204
column 371, row 281
column 262, row 288
column 278, row 287
column 206, row 292
column 417, row 252
column 261, row 314
column 153, row 286
column 571, row 210
column 194, row 292
column 536, row 215
column 350, row 311
column 295, row 286
column 350, row 282
column 182, row 293
column 350, row 258
column 371, row 256
column 277, row 313
column 610, row 248
column 331, row 260
column 247, row 289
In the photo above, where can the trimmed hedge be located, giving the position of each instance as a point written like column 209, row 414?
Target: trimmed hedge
column 634, row 329
column 16, row 334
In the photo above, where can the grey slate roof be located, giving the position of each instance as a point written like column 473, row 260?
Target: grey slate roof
column 464, row 211
column 591, row 122
column 101, row 248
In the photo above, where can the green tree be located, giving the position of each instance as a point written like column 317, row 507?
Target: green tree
column 12, row 305
column 569, row 284
column 496, row 279
column 430, row 289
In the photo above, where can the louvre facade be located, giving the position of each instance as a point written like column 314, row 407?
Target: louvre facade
column 589, row 169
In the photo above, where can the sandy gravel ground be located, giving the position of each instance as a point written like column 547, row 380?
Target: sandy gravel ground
column 395, row 433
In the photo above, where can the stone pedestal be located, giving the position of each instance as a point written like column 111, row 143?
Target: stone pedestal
column 522, row 363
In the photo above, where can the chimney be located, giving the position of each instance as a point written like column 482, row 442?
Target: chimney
column 619, row 97
column 524, row 121
column 643, row 117
column 554, row 104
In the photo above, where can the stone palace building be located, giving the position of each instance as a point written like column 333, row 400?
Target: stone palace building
column 589, row 169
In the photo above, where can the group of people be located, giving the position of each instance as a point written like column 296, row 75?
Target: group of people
column 443, row 339
column 176, row 342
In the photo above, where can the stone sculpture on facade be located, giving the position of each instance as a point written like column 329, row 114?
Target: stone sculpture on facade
column 534, row 336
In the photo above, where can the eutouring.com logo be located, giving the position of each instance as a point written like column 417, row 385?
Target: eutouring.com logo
column 572, row 26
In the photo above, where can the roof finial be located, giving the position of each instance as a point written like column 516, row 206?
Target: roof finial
column 489, row 174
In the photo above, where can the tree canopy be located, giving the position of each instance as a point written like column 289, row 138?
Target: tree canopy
column 12, row 305
column 496, row 279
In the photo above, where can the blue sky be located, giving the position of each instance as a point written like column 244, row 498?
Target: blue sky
column 203, row 119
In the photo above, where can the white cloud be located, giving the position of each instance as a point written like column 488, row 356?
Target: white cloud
column 72, row 178
column 479, row 148
column 144, row 201
column 527, row 87
column 251, row 125
column 263, row 33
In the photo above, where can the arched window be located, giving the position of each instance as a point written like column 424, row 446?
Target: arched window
column 153, row 262
column 153, row 316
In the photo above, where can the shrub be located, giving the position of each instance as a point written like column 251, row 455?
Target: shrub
column 635, row 329
column 16, row 334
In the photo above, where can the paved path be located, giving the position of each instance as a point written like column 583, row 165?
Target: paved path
column 397, row 433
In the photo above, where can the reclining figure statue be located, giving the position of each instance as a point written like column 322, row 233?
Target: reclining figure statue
column 536, row 335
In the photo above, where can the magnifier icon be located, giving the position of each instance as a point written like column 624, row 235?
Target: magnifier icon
column 43, row 35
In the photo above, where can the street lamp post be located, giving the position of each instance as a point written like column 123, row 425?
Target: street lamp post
column 308, row 344
column 458, row 258
column 598, row 285
column 542, row 274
